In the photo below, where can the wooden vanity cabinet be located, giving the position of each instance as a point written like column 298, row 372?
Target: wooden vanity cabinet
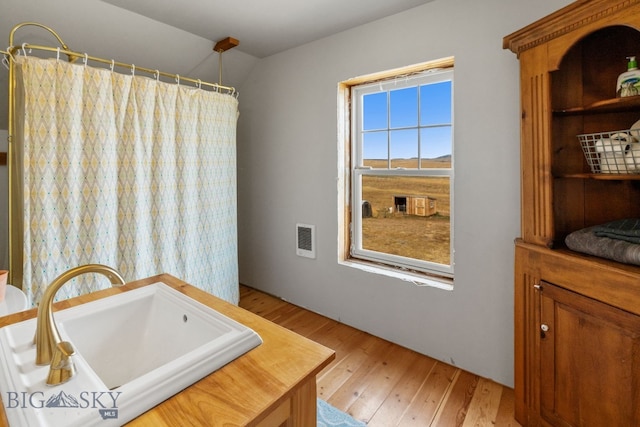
column 577, row 317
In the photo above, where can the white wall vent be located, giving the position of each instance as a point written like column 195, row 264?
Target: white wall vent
column 306, row 240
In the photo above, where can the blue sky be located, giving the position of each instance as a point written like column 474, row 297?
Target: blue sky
column 402, row 104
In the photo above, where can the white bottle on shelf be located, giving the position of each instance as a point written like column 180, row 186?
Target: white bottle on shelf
column 629, row 81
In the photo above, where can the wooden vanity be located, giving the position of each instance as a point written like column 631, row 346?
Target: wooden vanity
column 272, row 385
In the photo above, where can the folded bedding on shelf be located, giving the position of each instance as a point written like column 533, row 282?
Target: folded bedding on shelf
column 586, row 241
column 622, row 229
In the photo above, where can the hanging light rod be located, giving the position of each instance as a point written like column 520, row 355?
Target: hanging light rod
column 222, row 46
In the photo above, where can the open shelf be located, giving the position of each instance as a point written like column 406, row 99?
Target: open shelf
column 613, row 105
column 602, row 176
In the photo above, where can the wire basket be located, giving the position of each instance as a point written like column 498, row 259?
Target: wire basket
column 612, row 152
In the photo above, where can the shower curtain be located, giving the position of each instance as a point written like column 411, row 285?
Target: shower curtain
column 126, row 171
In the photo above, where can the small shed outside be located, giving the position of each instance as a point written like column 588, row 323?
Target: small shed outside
column 415, row 205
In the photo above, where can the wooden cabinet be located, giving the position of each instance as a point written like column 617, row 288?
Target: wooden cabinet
column 577, row 339
column 589, row 360
column 584, row 368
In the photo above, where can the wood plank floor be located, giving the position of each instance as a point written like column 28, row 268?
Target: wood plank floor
column 384, row 384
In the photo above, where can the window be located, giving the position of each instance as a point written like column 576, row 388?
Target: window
column 400, row 163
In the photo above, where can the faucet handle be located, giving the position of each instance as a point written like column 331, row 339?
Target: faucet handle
column 62, row 367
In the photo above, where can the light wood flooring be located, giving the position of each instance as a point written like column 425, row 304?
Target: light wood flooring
column 384, row 384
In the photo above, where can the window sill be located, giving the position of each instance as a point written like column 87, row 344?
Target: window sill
column 417, row 279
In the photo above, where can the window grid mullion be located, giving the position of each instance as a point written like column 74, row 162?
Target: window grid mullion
column 388, row 130
column 419, row 128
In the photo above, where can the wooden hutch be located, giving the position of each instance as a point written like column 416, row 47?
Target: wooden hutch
column 577, row 317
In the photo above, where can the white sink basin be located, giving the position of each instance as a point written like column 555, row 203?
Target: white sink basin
column 134, row 350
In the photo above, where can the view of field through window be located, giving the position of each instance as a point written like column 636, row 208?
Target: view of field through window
column 400, row 231
column 407, row 214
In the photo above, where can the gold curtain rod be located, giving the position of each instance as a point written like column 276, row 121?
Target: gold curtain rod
column 73, row 56
column 113, row 63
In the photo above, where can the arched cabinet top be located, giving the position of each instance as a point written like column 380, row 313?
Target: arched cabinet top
column 571, row 24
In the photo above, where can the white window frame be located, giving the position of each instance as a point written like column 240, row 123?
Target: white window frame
column 418, row 271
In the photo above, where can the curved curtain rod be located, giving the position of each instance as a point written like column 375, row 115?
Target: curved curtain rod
column 36, row 24
column 73, row 56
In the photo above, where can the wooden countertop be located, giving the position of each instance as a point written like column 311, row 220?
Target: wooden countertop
column 247, row 391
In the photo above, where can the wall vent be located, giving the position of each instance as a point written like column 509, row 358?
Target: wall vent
column 306, row 240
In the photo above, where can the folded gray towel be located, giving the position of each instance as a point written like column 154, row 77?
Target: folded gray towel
column 622, row 229
column 586, row 241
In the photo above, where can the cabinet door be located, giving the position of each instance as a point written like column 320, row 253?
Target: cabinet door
column 589, row 361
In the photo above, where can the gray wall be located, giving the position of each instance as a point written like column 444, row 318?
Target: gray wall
column 287, row 174
column 287, row 157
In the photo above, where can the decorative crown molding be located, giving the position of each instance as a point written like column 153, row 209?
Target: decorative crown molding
column 576, row 15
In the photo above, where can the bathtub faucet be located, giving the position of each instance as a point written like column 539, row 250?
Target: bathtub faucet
column 50, row 349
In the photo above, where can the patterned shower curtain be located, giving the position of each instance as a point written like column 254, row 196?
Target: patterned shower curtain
column 126, row 171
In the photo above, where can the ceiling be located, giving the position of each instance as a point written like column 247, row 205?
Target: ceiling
column 266, row 27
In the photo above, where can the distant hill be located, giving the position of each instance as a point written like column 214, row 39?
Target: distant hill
column 445, row 158
column 438, row 162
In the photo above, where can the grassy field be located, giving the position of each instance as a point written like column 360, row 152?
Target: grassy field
column 424, row 238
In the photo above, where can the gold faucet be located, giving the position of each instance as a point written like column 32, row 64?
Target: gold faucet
column 47, row 338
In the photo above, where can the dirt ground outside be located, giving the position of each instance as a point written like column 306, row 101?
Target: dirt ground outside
column 389, row 231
